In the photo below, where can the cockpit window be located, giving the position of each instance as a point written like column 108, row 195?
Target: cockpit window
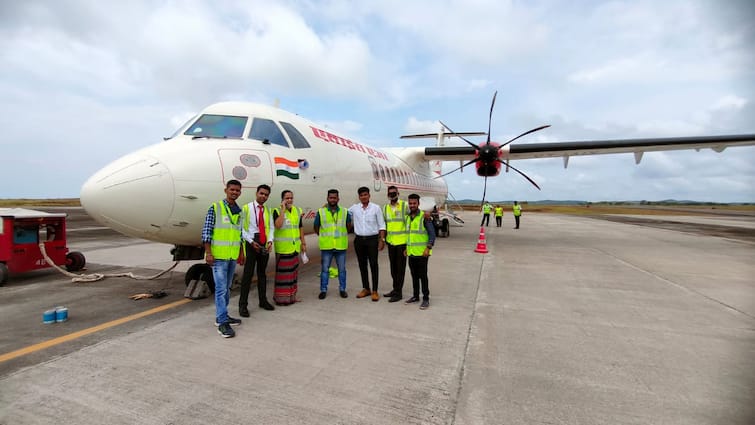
column 297, row 139
column 178, row 130
column 220, row 126
column 267, row 132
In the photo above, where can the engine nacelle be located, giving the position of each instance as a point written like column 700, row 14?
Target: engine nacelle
column 489, row 159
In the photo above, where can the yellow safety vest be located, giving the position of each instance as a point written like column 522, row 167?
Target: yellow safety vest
column 517, row 210
column 248, row 218
column 418, row 237
column 486, row 209
column 287, row 240
column 226, row 235
column 395, row 224
column 499, row 211
column 333, row 232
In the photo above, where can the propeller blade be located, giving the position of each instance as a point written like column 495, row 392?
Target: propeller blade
column 457, row 169
column 521, row 173
column 460, row 136
column 485, row 189
column 525, row 133
column 490, row 118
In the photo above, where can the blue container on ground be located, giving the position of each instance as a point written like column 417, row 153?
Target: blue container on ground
column 48, row 317
column 61, row 314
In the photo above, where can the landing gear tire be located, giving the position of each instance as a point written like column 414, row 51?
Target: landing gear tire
column 3, row 273
column 75, row 261
column 445, row 228
column 201, row 272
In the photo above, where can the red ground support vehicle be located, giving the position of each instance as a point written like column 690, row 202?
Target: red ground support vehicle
column 21, row 230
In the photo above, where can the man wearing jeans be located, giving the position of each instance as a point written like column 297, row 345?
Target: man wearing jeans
column 332, row 224
column 221, row 236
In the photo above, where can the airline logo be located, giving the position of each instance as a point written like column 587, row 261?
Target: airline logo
column 286, row 168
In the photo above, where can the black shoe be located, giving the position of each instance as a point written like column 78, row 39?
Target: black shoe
column 389, row 294
column 394, row 298
column 343, row 294
column 243, row 312
column 226, row 331
column 425, row 304
column 231, row 321
column 412, row 300
column 322, row 295
column 267, row 306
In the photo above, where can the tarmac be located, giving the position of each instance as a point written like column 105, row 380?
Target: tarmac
column 567, row 320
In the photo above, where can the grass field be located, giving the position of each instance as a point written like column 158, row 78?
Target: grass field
column 23, row 203
column 599, row 209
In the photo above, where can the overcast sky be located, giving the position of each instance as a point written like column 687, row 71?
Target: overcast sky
column 85, row 82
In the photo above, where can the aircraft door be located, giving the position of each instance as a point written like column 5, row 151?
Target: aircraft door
column 377, row 182
column 251, row 167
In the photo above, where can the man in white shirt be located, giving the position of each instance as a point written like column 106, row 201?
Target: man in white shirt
column 369, row 227
column 257, row 231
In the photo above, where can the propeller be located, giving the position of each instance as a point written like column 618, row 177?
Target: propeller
column 488, row 153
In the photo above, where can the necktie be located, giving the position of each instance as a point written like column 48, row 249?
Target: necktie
column 261, row 224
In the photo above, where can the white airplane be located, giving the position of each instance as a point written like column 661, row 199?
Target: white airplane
column 162, row 192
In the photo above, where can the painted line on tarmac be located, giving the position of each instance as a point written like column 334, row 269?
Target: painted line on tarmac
column 70, row 337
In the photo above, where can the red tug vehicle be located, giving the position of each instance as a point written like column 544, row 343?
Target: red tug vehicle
column 21, row 231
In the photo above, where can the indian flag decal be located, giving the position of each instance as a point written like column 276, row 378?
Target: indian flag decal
column 287, row 168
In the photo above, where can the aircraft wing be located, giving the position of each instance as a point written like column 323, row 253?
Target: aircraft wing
column 595, row 147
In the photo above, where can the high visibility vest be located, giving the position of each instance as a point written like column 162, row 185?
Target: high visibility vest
column 517, row 210
column 499, row 211
column 418, row 237
column 250, row 212
column 226, row 235
column 486, row 209
column 333, row 232
column 287, row 240
column 395, row 224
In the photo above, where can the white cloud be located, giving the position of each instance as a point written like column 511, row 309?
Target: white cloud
column 102, row 79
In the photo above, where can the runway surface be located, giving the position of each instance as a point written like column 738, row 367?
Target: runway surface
column 569, row 320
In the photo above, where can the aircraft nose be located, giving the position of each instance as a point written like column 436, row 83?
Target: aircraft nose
column 133, row 195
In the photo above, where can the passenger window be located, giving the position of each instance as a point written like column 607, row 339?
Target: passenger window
column 297, row 139
column 267, row 132
column 218, row 126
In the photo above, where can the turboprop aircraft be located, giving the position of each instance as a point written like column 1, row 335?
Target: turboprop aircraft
column 162, row 192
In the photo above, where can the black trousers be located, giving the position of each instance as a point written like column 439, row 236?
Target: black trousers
column 485, row 219
column 418, row 267
column 516, row 217
column 498, row 220
column 398, row 266
column 253, row 260
column 366, row 248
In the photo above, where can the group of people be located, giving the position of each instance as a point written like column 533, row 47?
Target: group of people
column 245, row 235
column 498, row 210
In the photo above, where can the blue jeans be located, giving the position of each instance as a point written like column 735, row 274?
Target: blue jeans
column 222, row 273
column 326, row 258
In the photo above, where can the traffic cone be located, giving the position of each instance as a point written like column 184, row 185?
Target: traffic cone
column 482, row 246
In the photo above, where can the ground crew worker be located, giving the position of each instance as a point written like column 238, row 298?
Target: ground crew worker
column 517, row 213
column 221, row 236
column 332, row 224
column 289, row 242
column 395, row 213
column 486, row 207
column 419, row 247
column 498, row 215
column 258, row 232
